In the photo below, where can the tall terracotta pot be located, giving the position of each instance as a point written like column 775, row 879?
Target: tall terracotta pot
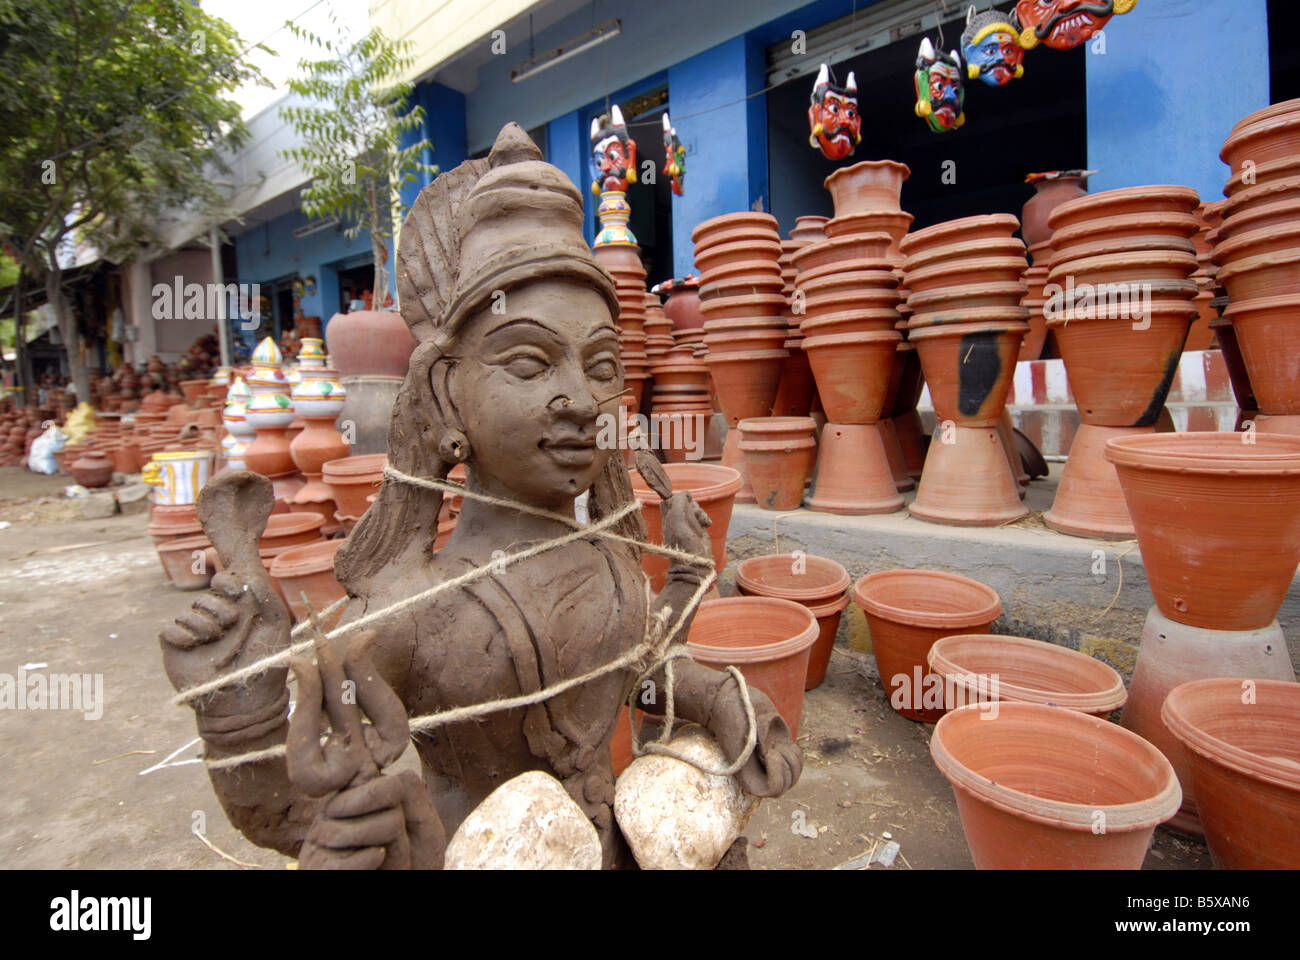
column 1048, row 195
column 371, row 350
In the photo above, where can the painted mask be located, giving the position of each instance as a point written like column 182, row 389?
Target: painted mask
column 613, row 153
column 1064, row 24
column 990, row 45
column 833, row 118
column 674, row 156
column 940, row 93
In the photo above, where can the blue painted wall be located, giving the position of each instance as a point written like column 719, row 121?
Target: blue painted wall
column 1175, row 77
column 444, row 126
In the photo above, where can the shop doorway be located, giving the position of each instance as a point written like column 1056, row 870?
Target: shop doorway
column 355, row 286
column 1036, row 123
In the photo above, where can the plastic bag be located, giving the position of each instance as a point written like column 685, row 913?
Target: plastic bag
column 41, row 459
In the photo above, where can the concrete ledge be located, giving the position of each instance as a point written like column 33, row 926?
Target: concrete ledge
column 1046, row 580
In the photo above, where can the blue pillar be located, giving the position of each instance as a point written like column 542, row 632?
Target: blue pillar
column 566, row 148
column 444, row 125
column 1174, row 77
column 726, row 147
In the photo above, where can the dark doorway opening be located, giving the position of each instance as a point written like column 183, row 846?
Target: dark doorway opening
column 1283, row 50
column 355, row 283
column 1036, row 123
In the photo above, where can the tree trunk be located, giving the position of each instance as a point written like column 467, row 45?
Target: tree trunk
column 68, row 328
column 379, row 294
column 22, row 362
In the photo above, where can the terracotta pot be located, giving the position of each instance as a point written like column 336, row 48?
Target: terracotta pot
column 1031, row 783
column 1218, row 522
column 759, row 305
column 853, row 475
column 869, row 320
column 758, row 269
column 974, row 270
column 712, row 486
column 877, row 273
column 851, row 371
column 746, row 382
column 747, row 219
column 779, row 453
column 309, row 569
column 289, row 529
column 1089, row 501
column 764, row 339
column 767, row 638
column 1267, row 333
column 947, row 304
column 1173, row 653
column 795, row 392
column 1026, row 671
column 907, row 611
column 1275, row 137
column 369, row 343
column 867, row 187
column 733, row 457
column 1264, row 216
column 969, row 366
column 189, row 561
column 1120, row 372
column 1116, row 245
column 1270, row 183
column 1169, row 225
column 997, row 226
column 1125, row 202
column 726, row 254
column 967, row 480
column 1245, row 760
column 683, row 307
column 1140, row 267
column 1048, row 195
column 804, row 578
column 1266, row 275
column 352, row 479
column 873, row 246
column 1279, row 238
column 92, row 469
column 956, row 254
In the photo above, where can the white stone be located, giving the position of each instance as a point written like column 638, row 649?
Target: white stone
column 675, row 816
column 528, row 823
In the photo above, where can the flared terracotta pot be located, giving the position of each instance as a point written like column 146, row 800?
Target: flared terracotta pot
column 1264, row 216
column 746, row 382
column 997, row 226
column 1034, row 782
column 369, row 343
column 1089, row 501
column 794, row 394
column 1267, row 333
column 980, row 668
column 1148, row 266
column 1275, row 239
column 733, row 457
column 853, row 475
column 749, row 219
column 808, row 229
column 868, row 187
column 767, row 638
column 851, row 321
column 762, row 305
column 871, row 246
column 969, row 366
column 958, row 254
column 1217, row 520
column 852, row 372
column 976, row 270
column 1267, row 275
column 907, row 611
column 1048, row 195
column 726, row 254
column 1271, row 138
column 1270, row 183
column 1244, row 747
column 1068, row 241
column 353, row 479
column 1170, row 654
column 779, row 452
column 1124, row 202
column 712, row 486
column 818, row 583
column 1120, row 370
column 309, row 570
column 967, row 481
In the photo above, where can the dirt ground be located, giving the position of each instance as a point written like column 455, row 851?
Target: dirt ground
column 125, row 790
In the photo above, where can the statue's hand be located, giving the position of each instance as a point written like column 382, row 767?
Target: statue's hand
column 776, row 763
column 685, row 525
column 232, row 625
column 370, row 820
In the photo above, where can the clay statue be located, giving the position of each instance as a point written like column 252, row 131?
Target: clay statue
column 674, row 156
column 1064, row 24
column 991, row 47
column 613, row 153
column 517, row 357
column 834, row 124
column 940, row 92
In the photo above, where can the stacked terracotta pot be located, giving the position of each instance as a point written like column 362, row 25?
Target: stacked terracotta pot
column 681, row 405
column 779, row 455
column 1257, row 249
column 1201, row 336
column 744, row 330
column 1218, row 524
column 617, row 251
column 967, row 324
column 796, row 395
column 658, row 328
column 1035, row 279
column 1120, row 350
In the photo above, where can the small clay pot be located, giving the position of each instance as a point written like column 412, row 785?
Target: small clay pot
column 1267, row 333
column 1279, row 213
column 726, row 254
column 309, row 568
column 958, row 253
column 865, row 246
column 284, row 530
column 997, row 226
column 189, row 561
column 1125, row 202
column 967, row 480
column 1217, row 520
column 1278, row 238
column 1113, row 245
column 804, row 578
column 808, row 229
column 767, row 638
column 868, row 187
column 1031, row 782
column 779, row 453
column 369, row 343
column 1245, row 762
column 761, row 305
column 973, row 270
column 712, row 486
column 1139, row 267
column 867, row 320
column 1048, row 195
column 746, row 382
column 353, row 479
column 977, row 668
column 851, row 371
column 907, row 611
column 952, row 301
column 863, row 272
column 92, row 469
column 853, row 474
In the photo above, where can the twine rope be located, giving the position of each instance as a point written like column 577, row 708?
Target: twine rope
column 656, row 643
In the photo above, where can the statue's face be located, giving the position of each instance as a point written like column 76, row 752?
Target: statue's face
column 1064, row 24
column 530, row 385
column 997, row 55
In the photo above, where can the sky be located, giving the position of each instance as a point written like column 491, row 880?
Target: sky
column 263, row 21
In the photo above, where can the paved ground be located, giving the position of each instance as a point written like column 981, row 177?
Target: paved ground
column 123, row 791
